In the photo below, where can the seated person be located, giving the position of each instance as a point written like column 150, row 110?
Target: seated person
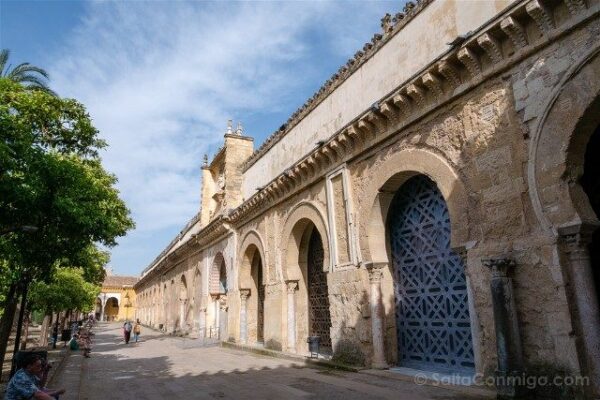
column 85, row 342
column 73, row 343
column 25, row 384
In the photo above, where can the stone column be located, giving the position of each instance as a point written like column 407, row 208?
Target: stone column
column 377, row 315
column 215, row 298
column 244, row 293
column 583, row 300
column 103, row 306
column 508, row 339
column 292, row 286
column 181, row 314
column 202, row 322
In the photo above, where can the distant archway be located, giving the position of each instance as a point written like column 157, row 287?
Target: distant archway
column 252, row 277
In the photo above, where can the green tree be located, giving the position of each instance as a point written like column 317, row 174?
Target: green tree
column 67, row 290
column 51, row 177
column 28, row 75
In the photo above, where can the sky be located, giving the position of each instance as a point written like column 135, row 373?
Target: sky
column 161, row 78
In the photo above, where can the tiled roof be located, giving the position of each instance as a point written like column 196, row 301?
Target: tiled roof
column 117, row 280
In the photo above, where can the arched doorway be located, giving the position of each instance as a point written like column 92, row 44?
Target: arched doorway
column 251, row 277
column 218, row 287
column 257, row 277
column 111, row 310
column 318, row 293
column 222, row 302
column 432, row 314
column 590, row 181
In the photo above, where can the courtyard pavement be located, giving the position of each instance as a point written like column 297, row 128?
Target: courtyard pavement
column 166, row 367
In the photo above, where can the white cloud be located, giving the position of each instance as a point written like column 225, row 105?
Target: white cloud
column 161, row 78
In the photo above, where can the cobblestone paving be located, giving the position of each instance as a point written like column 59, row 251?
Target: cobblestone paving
column 161, row 367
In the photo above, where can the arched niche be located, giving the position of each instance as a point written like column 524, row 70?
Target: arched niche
column 558, row 145
column 389, row 177
column 298, row 225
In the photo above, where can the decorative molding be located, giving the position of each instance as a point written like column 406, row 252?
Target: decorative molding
column 491, row 46
column 410, row 101
column 575, row 6
column 469, row 60
column 291, row 286
column 390, row 27
column 577, row 236
column 515, row 31
column 375, row 275
column 500, row 267
column 540, row 15
column 449, row 72
column 244, row 294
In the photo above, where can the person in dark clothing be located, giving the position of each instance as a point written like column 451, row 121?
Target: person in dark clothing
column 127, row 331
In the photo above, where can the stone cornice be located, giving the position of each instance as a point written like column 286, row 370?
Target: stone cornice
column 495, row 47
column 390, row 27
column 217, row 228
column 492, row 49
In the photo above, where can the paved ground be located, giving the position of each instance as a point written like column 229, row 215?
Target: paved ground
column 163, row 367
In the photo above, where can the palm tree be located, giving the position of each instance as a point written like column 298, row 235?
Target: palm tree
column 25, row 74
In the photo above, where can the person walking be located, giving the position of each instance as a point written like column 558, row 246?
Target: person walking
column 127, row 331
column 137, row 329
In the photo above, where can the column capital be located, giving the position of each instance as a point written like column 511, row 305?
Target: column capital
column 244, row 293
column 374, row 265
column 577, row 236
column 499, row 266
column 375, row 275
column 292, row 285
column 223, row 303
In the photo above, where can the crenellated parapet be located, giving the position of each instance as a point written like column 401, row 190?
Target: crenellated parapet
column 502, row 42
column 390, row 25
column 511, row 36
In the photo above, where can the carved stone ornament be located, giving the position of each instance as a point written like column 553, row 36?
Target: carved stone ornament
column 499, row 266
column 292, row 286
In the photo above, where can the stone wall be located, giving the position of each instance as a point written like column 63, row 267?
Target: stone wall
column 478, row 140
column 403, row 56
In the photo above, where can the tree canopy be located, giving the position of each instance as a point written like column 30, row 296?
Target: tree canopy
column 51, row 178
column 67, row 290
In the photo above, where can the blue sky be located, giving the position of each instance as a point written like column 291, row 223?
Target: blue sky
column 160, row 79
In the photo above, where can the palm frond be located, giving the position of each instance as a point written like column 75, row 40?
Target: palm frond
column 35, row 83
column 4, row 54
column 26, row 68
column 26, row 74
column 32, row 80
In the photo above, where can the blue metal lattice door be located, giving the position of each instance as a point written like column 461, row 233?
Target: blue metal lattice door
column 260, row 324
column 432, row 313
column 318, row 295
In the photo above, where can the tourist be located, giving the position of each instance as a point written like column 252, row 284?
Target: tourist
column 127, row 331
column 137, row 329
column 85, row 342
column 26, row 383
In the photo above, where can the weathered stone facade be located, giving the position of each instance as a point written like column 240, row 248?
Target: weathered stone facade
column 499, row 120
